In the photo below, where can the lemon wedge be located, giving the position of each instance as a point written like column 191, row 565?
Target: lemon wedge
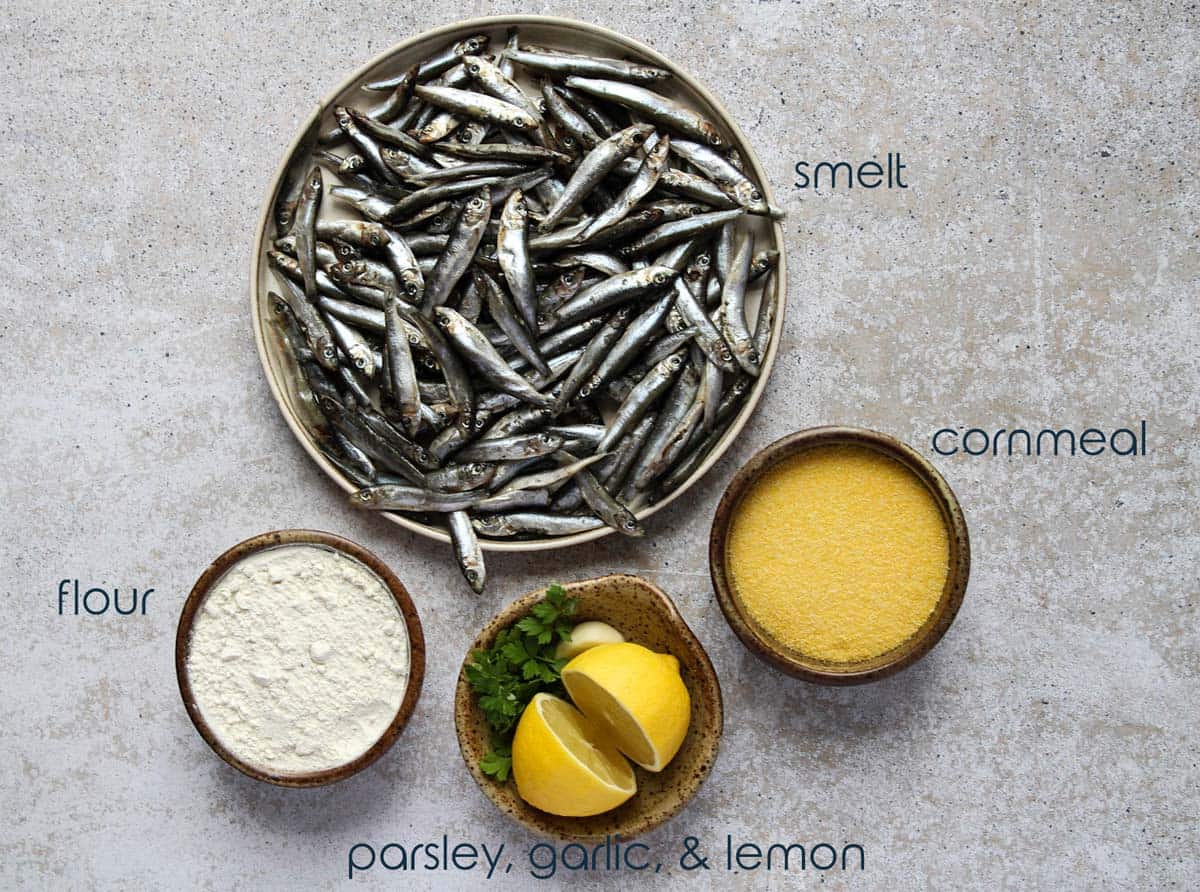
column 634, row 696
column 563, row 765
column 585, row 635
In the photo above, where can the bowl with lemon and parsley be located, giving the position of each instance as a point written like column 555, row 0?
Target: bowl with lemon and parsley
column 589, row 709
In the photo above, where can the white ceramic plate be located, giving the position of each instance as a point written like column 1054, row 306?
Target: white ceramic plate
column 555, row 33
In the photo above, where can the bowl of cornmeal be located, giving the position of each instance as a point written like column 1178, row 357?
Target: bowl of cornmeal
column 839, row 555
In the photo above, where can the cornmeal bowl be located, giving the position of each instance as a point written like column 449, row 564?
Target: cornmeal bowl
column 839, row 555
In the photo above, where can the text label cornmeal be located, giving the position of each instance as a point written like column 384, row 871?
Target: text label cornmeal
column 839, row 553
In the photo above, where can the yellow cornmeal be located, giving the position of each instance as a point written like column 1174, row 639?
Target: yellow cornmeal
column 839, row 553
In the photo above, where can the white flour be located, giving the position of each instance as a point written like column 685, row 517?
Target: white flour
column 299, row 659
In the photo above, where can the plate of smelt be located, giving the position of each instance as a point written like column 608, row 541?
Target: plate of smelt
column 518, row 284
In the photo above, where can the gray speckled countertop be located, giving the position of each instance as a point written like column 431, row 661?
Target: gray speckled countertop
column 1041, row 269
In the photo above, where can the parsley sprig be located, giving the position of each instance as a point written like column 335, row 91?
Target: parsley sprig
column 519, row 664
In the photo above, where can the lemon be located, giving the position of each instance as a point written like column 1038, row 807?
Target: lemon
column 585, row 635
column 563, row 765
column 635, row 696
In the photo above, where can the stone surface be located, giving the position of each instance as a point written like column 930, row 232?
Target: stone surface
column 1041, row 269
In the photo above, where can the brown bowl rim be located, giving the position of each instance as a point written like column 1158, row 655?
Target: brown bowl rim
column 452, row 30
column 464, row 701
column 416, row 642
column 903, row 655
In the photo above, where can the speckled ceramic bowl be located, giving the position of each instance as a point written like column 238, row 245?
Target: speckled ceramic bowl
column 645, row 615
column 416, row 644
column 791, row 661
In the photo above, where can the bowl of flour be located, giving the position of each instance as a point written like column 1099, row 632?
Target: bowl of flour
column 300, row 657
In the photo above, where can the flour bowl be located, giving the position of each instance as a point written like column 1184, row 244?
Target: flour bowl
column 247, row 668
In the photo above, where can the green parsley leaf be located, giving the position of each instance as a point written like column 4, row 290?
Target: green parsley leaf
column 520, row 663
column 497, row 763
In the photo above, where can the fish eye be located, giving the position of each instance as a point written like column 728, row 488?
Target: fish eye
column 755, row 194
